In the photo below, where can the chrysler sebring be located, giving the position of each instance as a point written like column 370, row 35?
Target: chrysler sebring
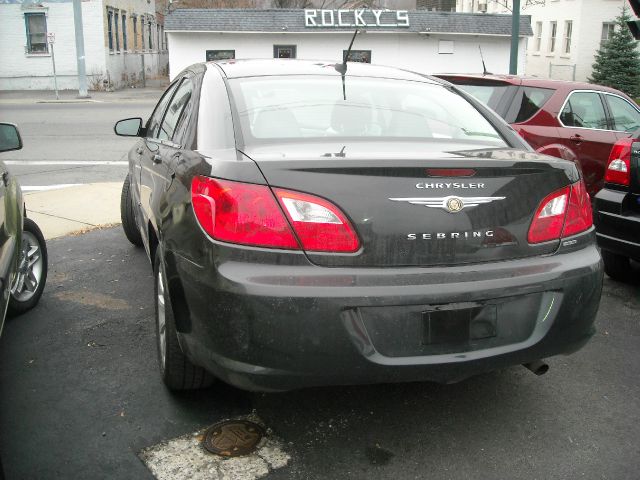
column 310, row 224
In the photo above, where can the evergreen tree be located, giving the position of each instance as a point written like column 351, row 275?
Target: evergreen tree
column 617, row 62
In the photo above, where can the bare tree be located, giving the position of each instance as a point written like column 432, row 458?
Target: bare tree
column 508, row 4
column 324, row 3
column 214, row 4
column 275, row 4
column 292, row 3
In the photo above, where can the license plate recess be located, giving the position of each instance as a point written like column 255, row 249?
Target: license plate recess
column 457, row 324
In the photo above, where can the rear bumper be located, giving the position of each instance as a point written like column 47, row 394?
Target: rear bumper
column 280, row 327
column 617, row 226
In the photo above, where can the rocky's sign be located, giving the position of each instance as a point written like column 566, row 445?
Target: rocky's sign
column 356, row 18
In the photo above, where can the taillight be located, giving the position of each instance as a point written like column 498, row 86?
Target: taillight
column 549, row 218
column 619, row 165
column 320, row 225
column 249, row 214
column 240, row 213
column 563, row 213
column 579, row 214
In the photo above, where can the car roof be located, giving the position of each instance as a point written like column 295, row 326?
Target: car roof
column 530, row 81
column 270, row 67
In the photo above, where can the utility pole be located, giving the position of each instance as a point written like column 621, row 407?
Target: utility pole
column 515, row 37
column 82, row 73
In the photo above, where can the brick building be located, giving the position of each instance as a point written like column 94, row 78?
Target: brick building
column 124, row 43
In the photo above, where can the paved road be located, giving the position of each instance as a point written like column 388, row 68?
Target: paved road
column 80, row 396
column 64, row 138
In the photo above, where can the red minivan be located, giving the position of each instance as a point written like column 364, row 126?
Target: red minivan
column 576, row 121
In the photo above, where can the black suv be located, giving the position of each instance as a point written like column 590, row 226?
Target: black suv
column 617, row 208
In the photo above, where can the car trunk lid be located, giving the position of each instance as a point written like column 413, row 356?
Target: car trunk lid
column 415, row 205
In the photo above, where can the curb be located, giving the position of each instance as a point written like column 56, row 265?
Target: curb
column 70, row 101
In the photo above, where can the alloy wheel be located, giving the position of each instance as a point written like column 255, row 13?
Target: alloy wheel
column 30, row 269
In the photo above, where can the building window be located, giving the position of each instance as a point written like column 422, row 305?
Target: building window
column 116, row 20
column 150, row 36
column 213, row 55
column 361, row 56
column 538, row 40
column 284, row 51
column 124, row 31
column 134, row 20
column 607, row 32
column 142, row 33
column 445, row 47
column 552, row 38
column 110, row 29
column 36, row 29
column 568, row 28
column 158, row 38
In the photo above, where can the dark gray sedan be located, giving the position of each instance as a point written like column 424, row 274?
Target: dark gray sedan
column 309, row 225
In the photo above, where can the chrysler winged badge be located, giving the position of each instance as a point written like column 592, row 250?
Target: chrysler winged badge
column 451, row 203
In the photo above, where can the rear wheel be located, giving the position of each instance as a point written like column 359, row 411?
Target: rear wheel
column 128, row 215
column 29, row 283
column 178, row 373
column 616, row 266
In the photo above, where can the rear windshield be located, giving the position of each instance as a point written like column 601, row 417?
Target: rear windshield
column 489, row 94
column 527, row 103
column 274, row 108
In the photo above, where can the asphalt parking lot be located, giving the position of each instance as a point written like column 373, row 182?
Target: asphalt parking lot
column 80, row 395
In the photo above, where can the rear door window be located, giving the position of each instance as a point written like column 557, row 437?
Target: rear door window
column 584, row 110
column 625, row 116
column 527, row 102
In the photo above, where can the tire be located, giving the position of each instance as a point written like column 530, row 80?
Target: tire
column 128, row 215
column 31, row 277
column 616, row 266
column 178, row 373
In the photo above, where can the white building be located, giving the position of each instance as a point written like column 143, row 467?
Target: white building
column 422, row 41
column 123, row 39
column 566, row 33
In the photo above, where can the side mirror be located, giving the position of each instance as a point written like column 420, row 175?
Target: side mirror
column 129, row 127
column 9, row 137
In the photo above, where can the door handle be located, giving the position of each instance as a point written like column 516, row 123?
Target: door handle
column 139, row 151
column 576, row 138
column 157, row 159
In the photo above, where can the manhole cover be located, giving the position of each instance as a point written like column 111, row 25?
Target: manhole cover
column 233, row 438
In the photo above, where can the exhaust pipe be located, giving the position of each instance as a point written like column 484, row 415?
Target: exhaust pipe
column 538, row 367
